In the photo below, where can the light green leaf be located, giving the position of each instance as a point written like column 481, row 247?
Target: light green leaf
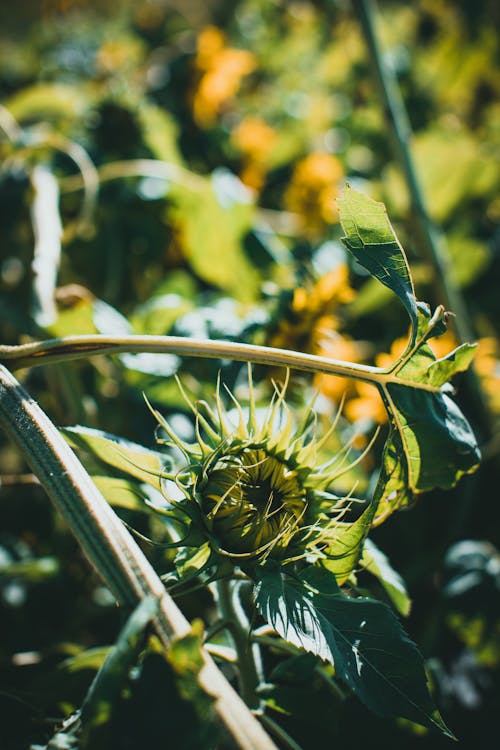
column 91, row 658
column 120, row 493
column 362, row 638
column 34, row 570
column 374, row 560
column 347, row 542
column 131, row 458
column 212, row 225
column 190, row 561
column 159, row 131
column 54, row 101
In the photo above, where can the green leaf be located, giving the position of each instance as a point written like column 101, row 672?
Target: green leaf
column 91, row 658
column 120, row 493
column 430, row 443
column 362, row 638
column 371, row 239
column 112, row 675
column 347, row 541
column 191, row 561
column 131, row 458
column 212, row 221
column 438, row 443
column 374, row 560
column 34, row 570
column 159, row 131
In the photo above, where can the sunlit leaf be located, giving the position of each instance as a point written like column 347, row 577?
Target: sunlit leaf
column 374, row 560
column 212, row 222
column 131, row 458
column 371, row 239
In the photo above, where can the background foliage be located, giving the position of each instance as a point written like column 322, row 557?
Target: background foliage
column 261, row 111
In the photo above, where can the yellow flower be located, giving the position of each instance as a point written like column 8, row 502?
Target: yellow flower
column 255, row 140
column 312, row 317
column 219, row 70
column 313, row 190
column 487, row 365
column 113, row 56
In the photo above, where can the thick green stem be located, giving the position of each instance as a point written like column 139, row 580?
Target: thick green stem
column 232, row 612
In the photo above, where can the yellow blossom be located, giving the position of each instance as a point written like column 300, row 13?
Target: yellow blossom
column 255, row 140
column 312, row 312
column 219, row 70
column 313, row 190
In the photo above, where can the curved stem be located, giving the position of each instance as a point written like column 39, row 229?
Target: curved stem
column 82, row 347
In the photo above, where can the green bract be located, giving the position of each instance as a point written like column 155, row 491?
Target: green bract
column 252, row 488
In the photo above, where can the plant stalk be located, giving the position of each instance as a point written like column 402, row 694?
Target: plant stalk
column 82, row 347
column 238, row 626
column 431, row 240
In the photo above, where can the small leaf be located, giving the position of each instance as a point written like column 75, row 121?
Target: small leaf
column 371, row 239
column 345, row 548
column 191, row 561
column 374, row 561
column 362, row 638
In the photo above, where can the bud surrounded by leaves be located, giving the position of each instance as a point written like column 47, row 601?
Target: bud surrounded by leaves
column 253, row 490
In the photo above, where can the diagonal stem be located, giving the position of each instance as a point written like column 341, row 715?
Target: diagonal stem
column 109, row 546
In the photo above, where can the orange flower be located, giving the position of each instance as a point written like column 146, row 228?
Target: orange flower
column 219, row 73
column 313, row 190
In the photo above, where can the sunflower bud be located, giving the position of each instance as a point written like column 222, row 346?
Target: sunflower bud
column 253, row 490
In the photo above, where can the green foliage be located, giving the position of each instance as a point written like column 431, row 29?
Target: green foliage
column 203, row 156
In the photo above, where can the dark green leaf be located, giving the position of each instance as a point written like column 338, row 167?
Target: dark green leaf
column 430, row 443
column 438, row 442
column 362, row 638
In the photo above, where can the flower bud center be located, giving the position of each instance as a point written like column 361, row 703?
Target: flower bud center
column 253, row 501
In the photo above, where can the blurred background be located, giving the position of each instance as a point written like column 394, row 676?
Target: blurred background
column 193, row 153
